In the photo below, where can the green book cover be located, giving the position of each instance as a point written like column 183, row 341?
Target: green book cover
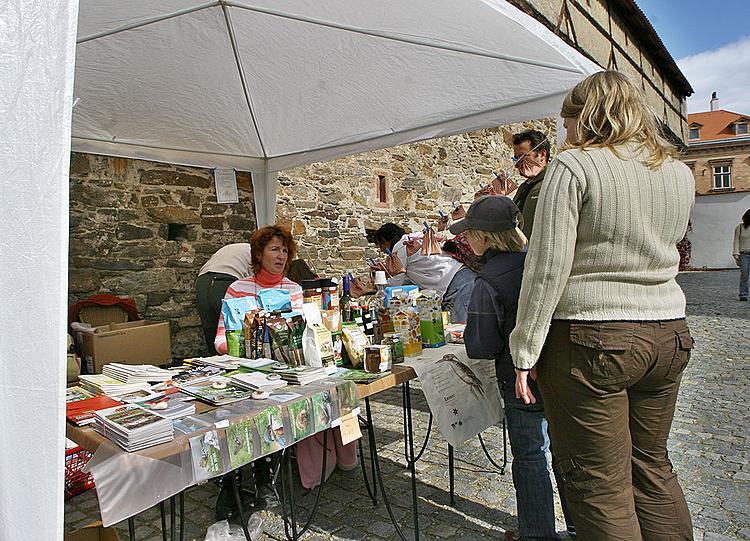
column 270, row 425
column 321, row 409
column 240, row 442
column 300, row 417
column 206, row 454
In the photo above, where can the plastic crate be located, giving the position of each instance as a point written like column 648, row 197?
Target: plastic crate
column 75, row 480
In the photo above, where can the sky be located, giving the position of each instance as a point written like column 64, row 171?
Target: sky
column 710, row 40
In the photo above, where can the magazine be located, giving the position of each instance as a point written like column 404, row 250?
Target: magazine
column 189, row 424
column 81, row 412
column 301, row 420
column 321, row 410
column 206, row 454
column 218, row 397
column 76, row 393
column 270, row 424
column 240, row 442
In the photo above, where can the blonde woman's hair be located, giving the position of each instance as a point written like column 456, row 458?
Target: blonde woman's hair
column 611, row 111
column 510, row 240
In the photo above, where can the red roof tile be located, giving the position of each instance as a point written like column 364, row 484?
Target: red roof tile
column 716, row 125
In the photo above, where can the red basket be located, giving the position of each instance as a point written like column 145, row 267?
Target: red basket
column 75, row 480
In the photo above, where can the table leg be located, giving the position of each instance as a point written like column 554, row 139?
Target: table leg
column 412, row 461
column 182, row 516
column 172, row 518
column 163, row 514
column 451, row 476
column 290, row 486
column 238, row 503
column 131, row 528
column 370, row 492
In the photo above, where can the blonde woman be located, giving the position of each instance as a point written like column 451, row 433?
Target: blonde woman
column 601, row 319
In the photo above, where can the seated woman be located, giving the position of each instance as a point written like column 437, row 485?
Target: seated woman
column 272, row 249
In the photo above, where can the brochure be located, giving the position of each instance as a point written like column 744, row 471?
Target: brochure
column 240, row 442
column 300, row 418
column 206, row 455
column 270, row 425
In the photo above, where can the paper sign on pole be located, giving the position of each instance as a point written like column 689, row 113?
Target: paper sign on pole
column 226, row 185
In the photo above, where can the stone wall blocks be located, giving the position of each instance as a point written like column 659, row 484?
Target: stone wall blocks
column 240, row 223
column 133, row 232
column 117, row 264
column 143, row 282
column 213, row 223
column 82, row 281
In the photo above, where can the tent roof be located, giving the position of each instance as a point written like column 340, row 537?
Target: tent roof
column 273, row 84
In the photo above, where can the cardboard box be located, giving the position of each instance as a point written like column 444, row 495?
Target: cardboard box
column 134, row 342
column 92, row 532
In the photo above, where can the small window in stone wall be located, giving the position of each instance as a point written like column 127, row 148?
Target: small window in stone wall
column 176, row 231
column 381, row 191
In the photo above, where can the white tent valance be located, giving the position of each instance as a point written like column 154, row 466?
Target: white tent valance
column 272, row 84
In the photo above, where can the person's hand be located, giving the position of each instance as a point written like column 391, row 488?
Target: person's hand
column 736, row 259
column 523, row 391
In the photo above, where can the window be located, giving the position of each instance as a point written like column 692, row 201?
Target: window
column 740, row 128
column 695, row 133
column 722, row 176
column 382, row 189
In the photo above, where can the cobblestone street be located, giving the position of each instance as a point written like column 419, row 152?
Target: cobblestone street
column 709, row 447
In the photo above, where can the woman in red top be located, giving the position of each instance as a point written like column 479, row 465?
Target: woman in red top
column 272, row 248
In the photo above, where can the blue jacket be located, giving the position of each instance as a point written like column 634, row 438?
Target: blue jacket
column 492, row 310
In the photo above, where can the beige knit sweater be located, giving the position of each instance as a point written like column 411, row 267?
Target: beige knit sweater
column 603, row 248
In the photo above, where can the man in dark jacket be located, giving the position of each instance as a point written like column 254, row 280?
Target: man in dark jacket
column 491, row 226
column 531, row 156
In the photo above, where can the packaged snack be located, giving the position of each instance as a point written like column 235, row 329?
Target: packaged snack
column 234, row 310
column 275, row 300
column 406, row 324
column 281, row 340
column 297, row 329
column 317, row 343
column 430, row 319
column 354, row 341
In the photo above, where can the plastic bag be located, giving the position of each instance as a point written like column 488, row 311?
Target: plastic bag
column 223, row 531
column 234, row 310
column 275, row 300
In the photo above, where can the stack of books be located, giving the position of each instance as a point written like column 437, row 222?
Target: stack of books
column 225, row 362
column 195, row 374
column 217, row 391
column 100, row 384
column 257, row 381
column 132, row 427
column 169, row 407
column 302, row 375
column 138, row 373
column 73, row 394
column 81, row 412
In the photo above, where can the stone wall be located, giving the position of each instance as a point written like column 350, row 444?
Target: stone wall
column 143, row 229
column 328, row 205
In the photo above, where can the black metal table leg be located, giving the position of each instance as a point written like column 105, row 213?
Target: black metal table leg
column 238, row 503
column 412, row 461
column 182, row 516
column 451, row 477
column 371, row 491
column 163, row 514
column 131, row 528
column 172, row 518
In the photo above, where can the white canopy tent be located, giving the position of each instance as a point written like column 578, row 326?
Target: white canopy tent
column 258, row 86
column 272, row 84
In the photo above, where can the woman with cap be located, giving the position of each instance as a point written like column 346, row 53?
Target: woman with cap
column 491, row 226
column 601, row 317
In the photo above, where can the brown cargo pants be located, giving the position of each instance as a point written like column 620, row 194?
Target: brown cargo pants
column 610, row 390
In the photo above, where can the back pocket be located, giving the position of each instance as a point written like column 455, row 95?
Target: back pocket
column 602, row 351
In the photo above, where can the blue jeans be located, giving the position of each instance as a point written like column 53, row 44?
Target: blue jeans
column 744, row 274
column 529, row 442
column 458, row 294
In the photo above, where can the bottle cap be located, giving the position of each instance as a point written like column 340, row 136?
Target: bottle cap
column 380, row 278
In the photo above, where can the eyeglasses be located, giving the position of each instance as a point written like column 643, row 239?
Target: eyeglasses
column 516, row 159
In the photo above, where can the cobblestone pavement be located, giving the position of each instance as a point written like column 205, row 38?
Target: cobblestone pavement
column 709, row 448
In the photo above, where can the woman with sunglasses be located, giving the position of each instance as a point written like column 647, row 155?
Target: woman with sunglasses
column 601, row 318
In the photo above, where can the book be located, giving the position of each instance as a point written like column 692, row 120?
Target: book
column 217, row 396
column 301, row 419
column 189, row 424
column 321, row 410
column 196, row 374
column 270, row 425
column 169, row 407
column 133, row 427
column 75, row 393
column 206, row 455
column 240, row 442
column 256, row 381
column 138, row 373
column 100, row 384
column 81, row 412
